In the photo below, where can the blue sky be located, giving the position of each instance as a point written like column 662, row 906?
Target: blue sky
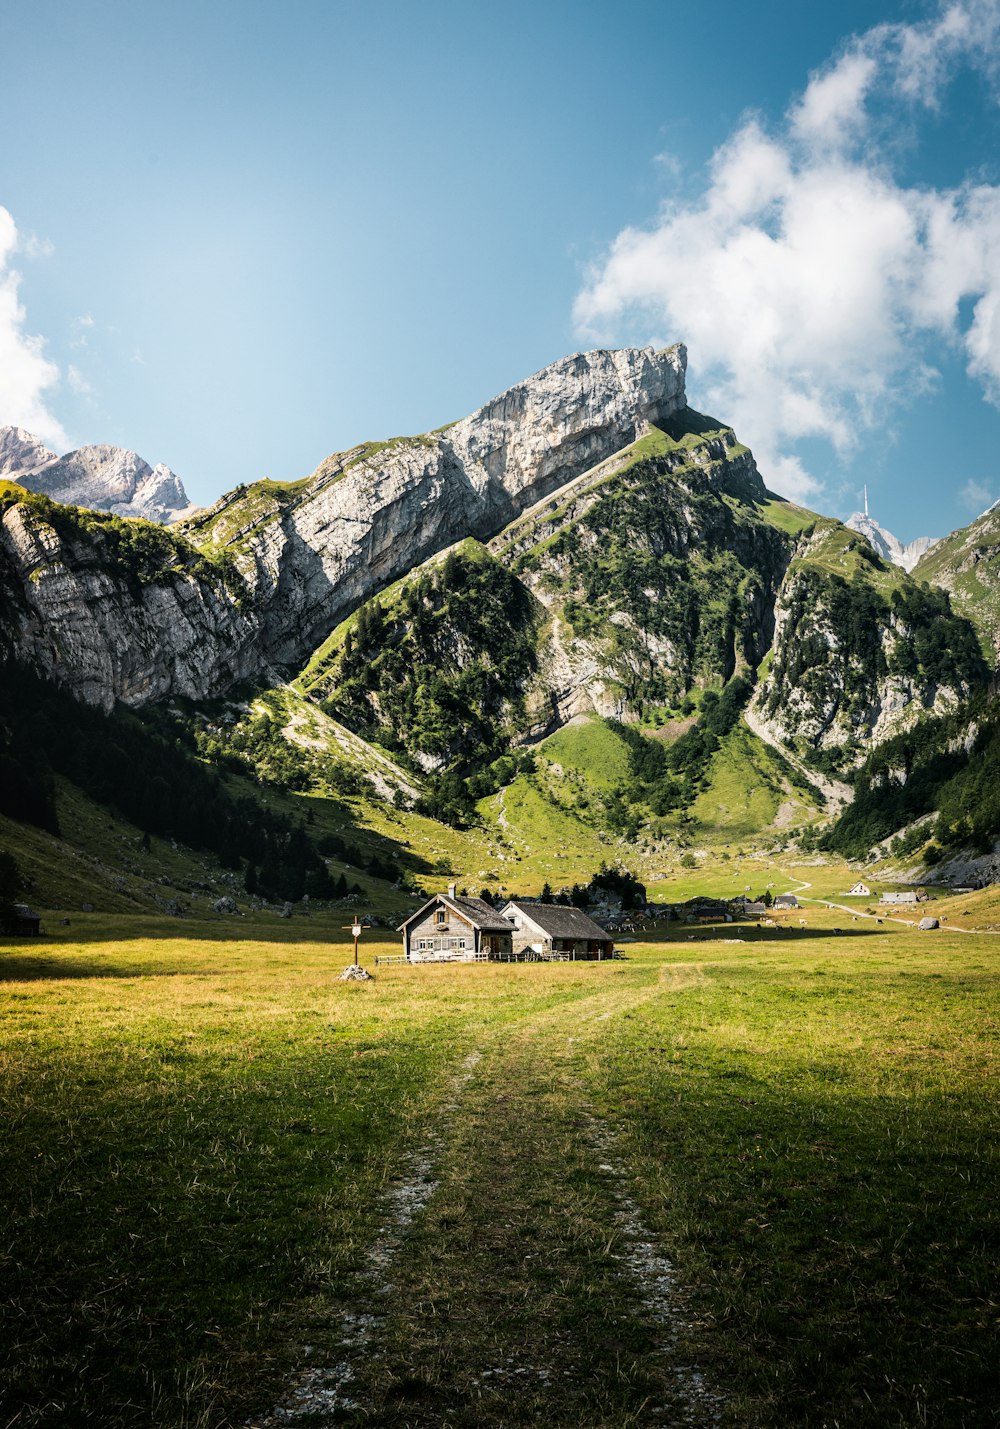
column 237, row 238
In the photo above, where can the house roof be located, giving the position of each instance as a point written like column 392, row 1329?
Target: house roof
column 559, row 921
column 475, row 910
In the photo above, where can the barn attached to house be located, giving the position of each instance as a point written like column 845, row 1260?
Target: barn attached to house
column 551, row 930
column 450, row 929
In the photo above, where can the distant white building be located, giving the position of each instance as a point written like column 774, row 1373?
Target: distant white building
column 786, row 900
column 897, row 898
column 860, row 890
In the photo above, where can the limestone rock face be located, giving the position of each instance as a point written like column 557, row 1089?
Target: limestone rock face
column 102, row 477
column 843, row 678
column 310, row 553
column 107, row 638
column 20, row 451
column 367, row 516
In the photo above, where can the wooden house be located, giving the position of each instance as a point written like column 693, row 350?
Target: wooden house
column 20, row 920
column 551, row 930
column 449, row 929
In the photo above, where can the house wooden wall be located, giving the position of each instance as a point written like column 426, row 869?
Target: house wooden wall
column 446, row 941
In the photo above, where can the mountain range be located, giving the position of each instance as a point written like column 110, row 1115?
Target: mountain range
column 103, row 477
column 583, row 576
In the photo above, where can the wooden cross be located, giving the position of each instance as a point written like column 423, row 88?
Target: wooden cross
column 354, row 928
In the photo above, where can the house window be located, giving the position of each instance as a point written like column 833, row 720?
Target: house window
column 441, row 917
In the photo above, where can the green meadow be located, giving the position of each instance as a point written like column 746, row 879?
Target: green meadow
column 206, row 1138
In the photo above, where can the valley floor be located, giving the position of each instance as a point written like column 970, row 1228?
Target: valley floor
column 745, row 1177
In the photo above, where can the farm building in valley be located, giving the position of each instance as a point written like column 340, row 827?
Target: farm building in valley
column 897, row 898
column 20, row 920
column 860, row 890
column 555, row 931
column 453, row 929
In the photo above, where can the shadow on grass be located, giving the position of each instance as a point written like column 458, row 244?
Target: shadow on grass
column 35, row 969
column 731, row 932
column 126, row 929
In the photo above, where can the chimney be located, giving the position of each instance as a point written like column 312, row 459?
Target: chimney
column 452, row 890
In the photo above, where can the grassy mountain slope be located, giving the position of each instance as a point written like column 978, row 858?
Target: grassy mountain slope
column 967, row 565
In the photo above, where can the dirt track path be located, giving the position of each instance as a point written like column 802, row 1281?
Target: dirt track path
column 516, row 1283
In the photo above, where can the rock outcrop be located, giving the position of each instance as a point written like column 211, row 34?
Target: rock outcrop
column 856, row 659
column 76, row 613
column 102, row 477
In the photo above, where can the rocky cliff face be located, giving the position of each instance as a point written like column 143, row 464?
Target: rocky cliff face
column 967, row 565
column 104, row 478
column 20, row 451
column 307, row 553
column 860, row 651
column 314, row 552
column 118, row 623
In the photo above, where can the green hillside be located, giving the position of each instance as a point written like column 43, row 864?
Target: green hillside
column 967, row 565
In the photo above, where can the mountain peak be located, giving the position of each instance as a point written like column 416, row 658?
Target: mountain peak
column 888, row 546
column 102, row 477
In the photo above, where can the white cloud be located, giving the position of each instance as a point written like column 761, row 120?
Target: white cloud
column 78, row 382
column 26, row 374
column 976, row 496
column 832, row 109
column 806, row 280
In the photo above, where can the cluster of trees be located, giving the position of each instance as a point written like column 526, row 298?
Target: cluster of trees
column 378, row 866
column 441, row 673
column 927, row 641
column 806, row 661
column 257, row 744
column 125, row 763
column 669, row 777
column 609, row 879
column 685, row 565
column 939, row 646
column 928, row 770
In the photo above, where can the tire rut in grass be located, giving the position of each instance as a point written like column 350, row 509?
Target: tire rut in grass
column 528, row 1291
column 348, row 1328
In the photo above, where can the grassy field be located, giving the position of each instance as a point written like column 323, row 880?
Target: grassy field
column 227, row 1176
